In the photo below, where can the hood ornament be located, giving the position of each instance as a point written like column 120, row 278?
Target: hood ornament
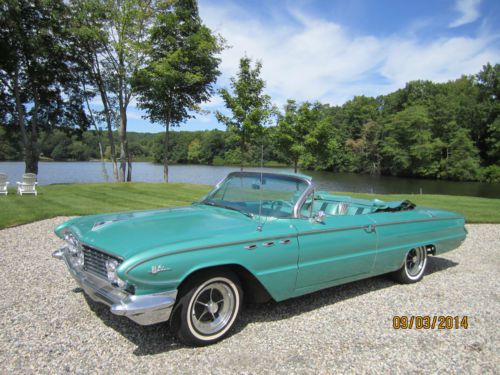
column 100, row 224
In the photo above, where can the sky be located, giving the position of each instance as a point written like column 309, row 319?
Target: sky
column 331, row 51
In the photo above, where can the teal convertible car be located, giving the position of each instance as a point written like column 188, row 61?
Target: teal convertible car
column 256, row 236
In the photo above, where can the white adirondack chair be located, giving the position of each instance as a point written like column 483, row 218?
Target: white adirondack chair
column 28, row 186
column 3, row 184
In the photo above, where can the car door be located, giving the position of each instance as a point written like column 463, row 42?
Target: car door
column 334, row 250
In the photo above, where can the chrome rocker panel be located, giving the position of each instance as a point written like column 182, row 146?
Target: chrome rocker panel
column 145, row 310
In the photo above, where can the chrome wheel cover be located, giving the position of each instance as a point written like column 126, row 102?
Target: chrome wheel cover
column 415, row 262
column 213, row 308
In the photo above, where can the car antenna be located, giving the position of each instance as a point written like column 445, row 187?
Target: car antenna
column 259, row 227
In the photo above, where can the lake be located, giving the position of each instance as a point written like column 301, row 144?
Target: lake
column 75, row 172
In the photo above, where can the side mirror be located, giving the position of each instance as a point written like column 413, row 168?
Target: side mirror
column 319, row 217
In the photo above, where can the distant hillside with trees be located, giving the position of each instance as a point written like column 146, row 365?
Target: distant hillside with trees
column 433, row 130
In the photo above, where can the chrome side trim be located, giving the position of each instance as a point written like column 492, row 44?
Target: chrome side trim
column 281, row 237
column 189, row 249
column 372, row 227
column 317, row 231
column 420, row 220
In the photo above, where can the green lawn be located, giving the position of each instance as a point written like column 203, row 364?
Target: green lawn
column 475, row 210
column 84, row 199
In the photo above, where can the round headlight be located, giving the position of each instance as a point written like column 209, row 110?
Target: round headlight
column 75, row 250
column 78, row 259
column 111, row 266
column 72, row 242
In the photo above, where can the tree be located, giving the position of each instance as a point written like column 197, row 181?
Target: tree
column 194, row 151
column 290, row 134
column 462, row 164
column 212, row 145
column 38, row 71
column 180, row 70
column 7, row 150
column 295, row 133
column 356, row 113
column 92, row 42
column 493, row 141
column 488, row 82
column 128, row 27
column 109, row 36
column 371, row 157
column 405, row 133
column 250, row 108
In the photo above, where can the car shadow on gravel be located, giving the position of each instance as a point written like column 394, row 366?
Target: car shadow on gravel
column 157, row 338
column 273, row 311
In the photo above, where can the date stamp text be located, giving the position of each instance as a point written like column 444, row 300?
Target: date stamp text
column 430, row 322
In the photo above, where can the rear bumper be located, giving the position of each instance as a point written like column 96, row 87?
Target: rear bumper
column 144, row 309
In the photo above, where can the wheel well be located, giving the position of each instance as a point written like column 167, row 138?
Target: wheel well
column 253, row 290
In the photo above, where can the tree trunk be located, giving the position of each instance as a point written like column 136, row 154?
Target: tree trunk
column 295, row 162
column 104, row 172
column 107, row 115
column 123, row 145
column 30, row 147
column 103, row 163
column 129, row 164
column 122, row 103
column 109, row 125
column 165, row 153
column 33, row 157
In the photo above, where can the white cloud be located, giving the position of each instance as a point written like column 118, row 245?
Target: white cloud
column 307, row 62
column 469, row 12
column 312, row 59
column 441, row 60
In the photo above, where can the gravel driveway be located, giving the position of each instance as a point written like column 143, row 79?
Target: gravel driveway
column 48, row 326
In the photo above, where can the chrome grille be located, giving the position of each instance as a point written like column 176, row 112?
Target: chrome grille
column 95, row 261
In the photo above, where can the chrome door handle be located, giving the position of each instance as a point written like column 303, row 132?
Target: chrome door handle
column 285, row 242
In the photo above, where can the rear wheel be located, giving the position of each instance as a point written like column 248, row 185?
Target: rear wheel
column 414, row 266
column 208, row 308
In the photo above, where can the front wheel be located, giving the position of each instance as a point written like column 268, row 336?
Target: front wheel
column 208, row 308
column 414, row 266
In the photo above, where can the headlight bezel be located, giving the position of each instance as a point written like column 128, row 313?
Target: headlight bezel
column 75, row 249
column 112, row 275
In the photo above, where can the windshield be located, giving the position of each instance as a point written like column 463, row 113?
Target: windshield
column 246, row 191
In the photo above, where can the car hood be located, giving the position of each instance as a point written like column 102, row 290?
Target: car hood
column 127, row 234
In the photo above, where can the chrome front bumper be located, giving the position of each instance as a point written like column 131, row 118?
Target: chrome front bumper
column 145, row 310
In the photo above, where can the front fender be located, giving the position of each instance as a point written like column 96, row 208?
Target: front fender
column 274, row 267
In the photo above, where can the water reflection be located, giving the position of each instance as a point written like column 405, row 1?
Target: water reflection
column 74, row 172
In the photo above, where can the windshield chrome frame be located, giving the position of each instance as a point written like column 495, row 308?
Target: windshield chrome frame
column 296, row 208
column 300, row 202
